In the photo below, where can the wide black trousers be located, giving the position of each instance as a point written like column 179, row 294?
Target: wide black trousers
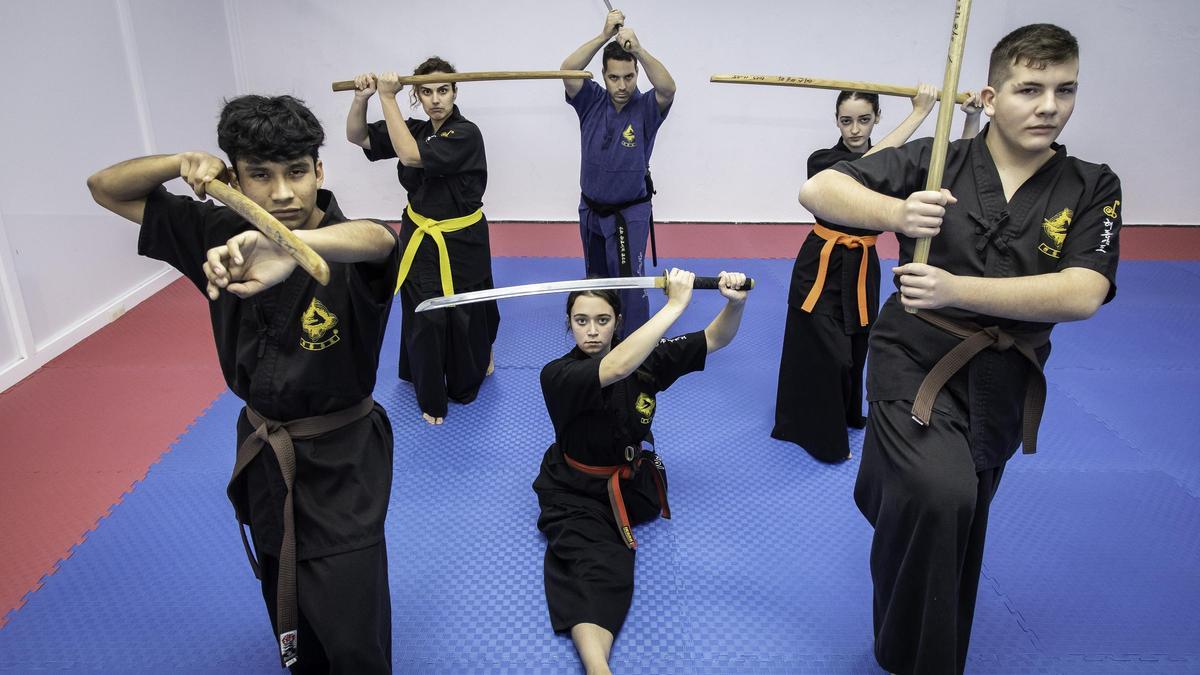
column 345, row 611
column 919, row 488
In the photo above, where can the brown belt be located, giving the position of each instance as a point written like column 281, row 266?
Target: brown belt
column 615, row 474
column 833, row 238
column 279, row 436
column 975, row 339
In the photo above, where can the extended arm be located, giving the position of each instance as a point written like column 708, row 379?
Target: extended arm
column 664, row 84
column 1071, row 294
column 832, row 195
column 922, row 104
column 250, row 263
column 581, row 57
column 725, row 325
column 122, row 188
column 626, row 357
column 356, row 119
column 402, row 139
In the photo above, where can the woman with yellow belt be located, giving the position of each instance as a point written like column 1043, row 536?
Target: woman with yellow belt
column 445, row 353
column 834, row 294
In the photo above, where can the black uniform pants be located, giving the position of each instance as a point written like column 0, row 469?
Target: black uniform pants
column 919, row 489
column 820, row 384
column 345, row 611
column 445, row 352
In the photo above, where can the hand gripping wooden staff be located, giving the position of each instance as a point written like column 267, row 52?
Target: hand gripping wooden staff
column 818, row 83
column 481, row 76
column 270, row 226
column 941, row 134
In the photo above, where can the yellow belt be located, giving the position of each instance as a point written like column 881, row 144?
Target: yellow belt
column 434, row 228
column 833, row 238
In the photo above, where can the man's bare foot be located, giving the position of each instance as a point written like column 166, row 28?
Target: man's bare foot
column 431, row 419
column 491, row 364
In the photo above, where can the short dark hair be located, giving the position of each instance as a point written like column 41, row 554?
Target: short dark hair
column 873, row 99
column 271, row 129
column 1037, row 45
column 615, row 52
column 433, row 64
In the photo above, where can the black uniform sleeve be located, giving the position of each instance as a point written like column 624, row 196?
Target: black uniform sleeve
column 180, row 230
column 381, row 140
column 571, row 386
column 825, row 158
column 452, row 150
column 379, row 276
column 1093, row 241
column 673, row 358
column 897, row 172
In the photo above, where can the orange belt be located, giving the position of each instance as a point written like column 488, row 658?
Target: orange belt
column 614, row 474
column 833, row 238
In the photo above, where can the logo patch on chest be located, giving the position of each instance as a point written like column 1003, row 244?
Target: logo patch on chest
column 318, row 327
column 1054, row 233
column 629, row 138
column 645, row 407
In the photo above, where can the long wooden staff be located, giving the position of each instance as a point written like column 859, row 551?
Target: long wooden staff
column 818, row 83
column 941, row 134
column 481, row 76
column 270, row 226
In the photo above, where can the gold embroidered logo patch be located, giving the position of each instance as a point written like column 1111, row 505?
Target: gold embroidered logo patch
column 319, row 326
column 645, row 407
column 630, row 137
column 1111, row 211
column 1055, row 229
column 447, row 133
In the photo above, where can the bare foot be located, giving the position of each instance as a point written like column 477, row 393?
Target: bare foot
column 431, row 419
column 491, row 364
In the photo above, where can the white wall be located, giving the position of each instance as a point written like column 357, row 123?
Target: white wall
column 88, row 84
column 91, row 82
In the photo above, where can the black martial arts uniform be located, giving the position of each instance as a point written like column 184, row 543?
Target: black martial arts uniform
column 444, row 353
column 301, row 350
column 825, row 338
column 927, row 489
column 589, row 552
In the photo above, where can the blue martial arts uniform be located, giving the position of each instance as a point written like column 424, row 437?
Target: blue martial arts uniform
column 615, row 150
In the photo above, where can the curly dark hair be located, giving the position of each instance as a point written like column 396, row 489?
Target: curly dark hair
column 272, row 129
column 433, row 64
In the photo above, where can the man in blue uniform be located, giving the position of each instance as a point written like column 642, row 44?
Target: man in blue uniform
column 1029, row 238
column 617, row 128
column 314, row 463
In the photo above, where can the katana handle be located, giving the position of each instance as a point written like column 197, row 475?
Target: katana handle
column 712, row 283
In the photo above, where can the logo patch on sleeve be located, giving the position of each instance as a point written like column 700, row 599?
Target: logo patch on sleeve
column 1054, row 233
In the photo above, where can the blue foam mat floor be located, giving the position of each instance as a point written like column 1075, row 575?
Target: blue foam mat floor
column 1091, row 566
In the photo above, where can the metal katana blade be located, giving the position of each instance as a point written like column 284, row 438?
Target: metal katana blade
column 615, row 283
